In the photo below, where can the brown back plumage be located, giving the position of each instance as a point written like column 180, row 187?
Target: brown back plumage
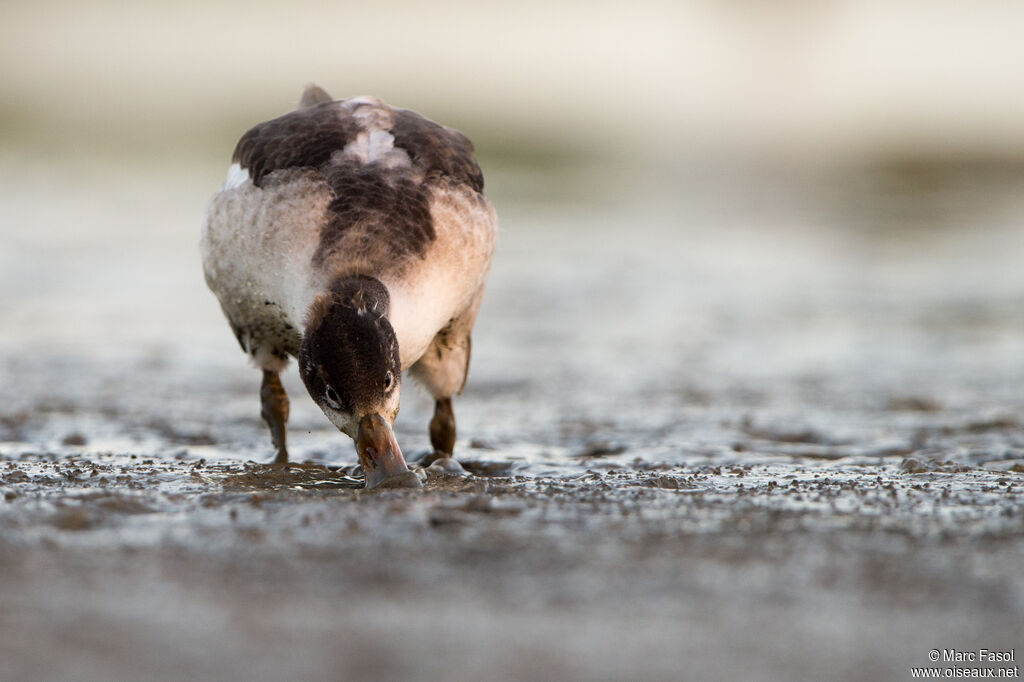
column 388, row 202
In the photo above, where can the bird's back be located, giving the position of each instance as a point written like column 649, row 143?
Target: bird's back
column 347, row 186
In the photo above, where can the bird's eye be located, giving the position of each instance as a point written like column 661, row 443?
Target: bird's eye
column 332, row 397
column 387, row 380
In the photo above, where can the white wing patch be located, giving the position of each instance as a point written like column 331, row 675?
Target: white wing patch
column 236, row 176
column 374, row 143
column 379, row 144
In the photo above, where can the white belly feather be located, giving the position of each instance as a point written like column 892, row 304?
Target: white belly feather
column 258, row 246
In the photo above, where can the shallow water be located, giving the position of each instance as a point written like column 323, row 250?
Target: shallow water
column 730, row 424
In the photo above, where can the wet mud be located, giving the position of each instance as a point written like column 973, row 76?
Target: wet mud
column 592, row 556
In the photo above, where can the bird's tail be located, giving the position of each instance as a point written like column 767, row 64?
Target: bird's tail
column 313, row 95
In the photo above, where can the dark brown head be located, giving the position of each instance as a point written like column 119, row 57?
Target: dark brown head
column 350, row 364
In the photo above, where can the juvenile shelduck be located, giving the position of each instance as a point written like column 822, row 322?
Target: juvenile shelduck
column 355, row 237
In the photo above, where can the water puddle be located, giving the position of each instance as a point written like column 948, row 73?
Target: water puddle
column 298, row 476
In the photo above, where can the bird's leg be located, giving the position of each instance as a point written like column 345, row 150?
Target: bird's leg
column 442, row 431
column 275, row 412
column 442, row 369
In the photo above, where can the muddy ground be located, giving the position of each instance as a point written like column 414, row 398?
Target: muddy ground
column 746, row 431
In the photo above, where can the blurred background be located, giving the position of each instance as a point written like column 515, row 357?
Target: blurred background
column 783, row 234
column 821, row 146
column 694, row 196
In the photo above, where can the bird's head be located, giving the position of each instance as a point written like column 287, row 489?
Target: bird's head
column 350, row 364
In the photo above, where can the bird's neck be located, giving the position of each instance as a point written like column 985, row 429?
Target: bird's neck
column 361, row 292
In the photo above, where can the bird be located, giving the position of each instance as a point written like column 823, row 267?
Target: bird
column 356, row 238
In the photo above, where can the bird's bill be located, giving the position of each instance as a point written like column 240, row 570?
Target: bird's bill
column 380, row 455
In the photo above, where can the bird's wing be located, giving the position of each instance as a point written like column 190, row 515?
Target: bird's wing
column 310, row 136
column 304, row 138
column 435, row 149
